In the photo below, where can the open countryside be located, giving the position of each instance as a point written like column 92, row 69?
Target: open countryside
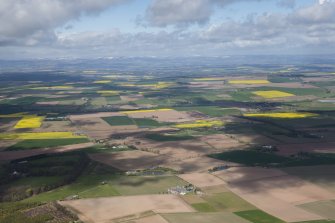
column 167, row 111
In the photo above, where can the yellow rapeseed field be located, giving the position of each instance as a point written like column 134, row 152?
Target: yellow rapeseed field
column 39, row 135
column 249, row 82
column 209, row 79
column 282, row 115
column 102, row 82
column 29, row 122
column 149, row 110
column 272, row 94
column 200, row 124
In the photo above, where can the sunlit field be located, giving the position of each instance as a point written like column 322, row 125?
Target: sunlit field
column 53, row 88
column 29, row 121
column 248, row 82
column 108, row 92
column 272, row 94
column 102, row 82
column 200, row 124
column 282, row 115
column 210, row 79
column 149, row 110
column 39, row 135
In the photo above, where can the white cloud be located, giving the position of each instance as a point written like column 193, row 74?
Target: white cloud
column 162, row 13
column 310, row 28
column 21, row 20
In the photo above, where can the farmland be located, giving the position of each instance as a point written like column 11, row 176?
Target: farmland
column 272, row 94
column 39, row 135
column 203, row 143
column 293, row 115
column 248, row 82
column 29, row 122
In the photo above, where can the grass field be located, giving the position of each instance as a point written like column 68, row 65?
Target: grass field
column 33, row 182
column 166, row 138
column 250, row 158
column 146, row 122
column 101, row 181
column 119, row 120
column 213, row 111
column 323, row 208
column 258, row 216
column 222, row 217
column 255, row 158
column 228, row 201
column 44, row 143
column 14, row 213
column 241, row 95
column 203, row 207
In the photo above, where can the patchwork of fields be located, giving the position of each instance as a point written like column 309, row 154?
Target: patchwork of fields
column 220, row 145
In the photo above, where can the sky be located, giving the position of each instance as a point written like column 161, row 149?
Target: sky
column 32, row 29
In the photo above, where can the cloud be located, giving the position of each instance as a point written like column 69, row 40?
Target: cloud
column 183, row 12
column 25, row 22
column 309, row 29
column 317, row 13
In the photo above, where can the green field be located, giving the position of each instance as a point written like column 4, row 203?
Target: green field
column 146, row 122
column 203, row 207
column 228, row 201
column 140, row 122
column 119, row 120
column 256, row 158
column 222, row 217
column 13, row 213
column 213, row 111
column 102, row 181
column 258, row 216
column 250, row 158
column 325, row 209
column 167, row 138
column 44, row 143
